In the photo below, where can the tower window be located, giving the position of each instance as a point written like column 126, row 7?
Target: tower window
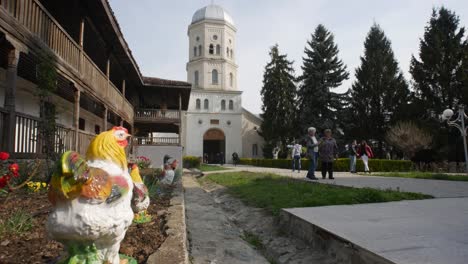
column 206, row 104
column 194, row 51
column 214, row 77
column 227, row 52
column 232, row 54
column 195, row 77
column 231, row 105
column 218, row 49
column 231, row 79
column 200, row 50
column 223, row 105
column 198, row 104
column 211, row 50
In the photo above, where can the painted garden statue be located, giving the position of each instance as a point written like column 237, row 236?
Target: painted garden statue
column 93, row 199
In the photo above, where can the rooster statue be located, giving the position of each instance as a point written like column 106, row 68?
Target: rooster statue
column 92, row 200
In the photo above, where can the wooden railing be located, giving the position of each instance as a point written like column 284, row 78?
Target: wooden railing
column 28, row 141
column 150, row 115
column 161, row 141
column 84, row 138
column 32, row 15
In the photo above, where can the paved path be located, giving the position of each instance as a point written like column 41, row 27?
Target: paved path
column 212, row 237
column 431, row 231
column 436, row 188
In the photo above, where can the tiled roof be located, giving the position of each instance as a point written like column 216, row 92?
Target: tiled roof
column 164, row 82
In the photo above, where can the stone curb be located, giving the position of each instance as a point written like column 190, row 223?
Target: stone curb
column 174, row 249
column 339, row 248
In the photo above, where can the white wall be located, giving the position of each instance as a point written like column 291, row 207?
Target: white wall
column 250, row 136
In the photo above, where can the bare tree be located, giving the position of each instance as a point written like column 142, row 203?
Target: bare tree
column 408, row 138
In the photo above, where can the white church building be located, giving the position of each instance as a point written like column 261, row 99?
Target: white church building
column 215, row 121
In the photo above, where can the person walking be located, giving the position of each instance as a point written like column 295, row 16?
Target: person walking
column 312, row 152
column 328, row 150
column 235, row 158
column 296, row 156
column 352, row 156
column 365, row 153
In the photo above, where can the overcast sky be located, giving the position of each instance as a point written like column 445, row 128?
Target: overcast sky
column 156, row 31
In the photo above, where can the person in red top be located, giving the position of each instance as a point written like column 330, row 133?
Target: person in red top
column 365, row 153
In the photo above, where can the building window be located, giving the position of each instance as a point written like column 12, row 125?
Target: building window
column 214, row 77
column 218, row 49
column 211, row 50
column 232, row 54
column 200, row 50
column 223, row 105
column 254, row 150
column 227, row 52
column 206, row 104
column 198, row 104
column 231, row 105
column 215, row 37
column 194, row 51
column 198, row 38
column 81, row 124
column 214, row 122
column 195, row 78
column 231, row 79
column 97, row 129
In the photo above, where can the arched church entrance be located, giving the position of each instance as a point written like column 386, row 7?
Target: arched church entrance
column 214, row 145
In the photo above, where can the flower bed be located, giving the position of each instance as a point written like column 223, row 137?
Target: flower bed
column 23, row 216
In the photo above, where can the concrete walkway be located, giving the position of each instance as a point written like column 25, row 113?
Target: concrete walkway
column 431, row 231
column 436, row 188
column 212, row 237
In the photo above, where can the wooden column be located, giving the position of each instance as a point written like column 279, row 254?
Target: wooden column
column 104, row 123
column 81, row 42
column 10, row 99
column 123, row 89
column 76, row 117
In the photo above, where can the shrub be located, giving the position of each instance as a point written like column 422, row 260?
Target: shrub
column 339, row 165
column 191, row 162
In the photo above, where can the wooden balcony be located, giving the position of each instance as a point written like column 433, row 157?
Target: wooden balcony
column 29, row 16
column 156, row 141
column 157, row 116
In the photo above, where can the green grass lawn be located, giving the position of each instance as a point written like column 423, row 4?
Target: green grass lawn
column 423, row 175
column 207, row 167
column 274, row 192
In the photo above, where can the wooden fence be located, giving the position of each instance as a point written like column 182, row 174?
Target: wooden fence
column 28, row 142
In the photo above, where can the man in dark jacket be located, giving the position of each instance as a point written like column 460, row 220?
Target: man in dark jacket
column 328, row 150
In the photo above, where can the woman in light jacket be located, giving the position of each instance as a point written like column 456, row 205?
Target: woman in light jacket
column 365, row 153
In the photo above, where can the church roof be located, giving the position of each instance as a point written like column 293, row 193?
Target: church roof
column 213, row 12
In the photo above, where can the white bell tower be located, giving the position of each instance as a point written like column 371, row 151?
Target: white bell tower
column 213, row 122
column 212, row 50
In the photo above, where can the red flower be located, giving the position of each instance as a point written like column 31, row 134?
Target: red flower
column 4, row 155
column 3, row 182
column 14, row 169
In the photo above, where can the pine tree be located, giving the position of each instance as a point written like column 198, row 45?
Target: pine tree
column 441, row 74
column 379, row 91
column 322, row 71
column 278, row 97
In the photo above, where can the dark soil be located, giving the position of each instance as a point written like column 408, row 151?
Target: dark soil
column 34, row 246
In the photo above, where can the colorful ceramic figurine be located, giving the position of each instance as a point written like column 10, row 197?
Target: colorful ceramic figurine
column 92, row 200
